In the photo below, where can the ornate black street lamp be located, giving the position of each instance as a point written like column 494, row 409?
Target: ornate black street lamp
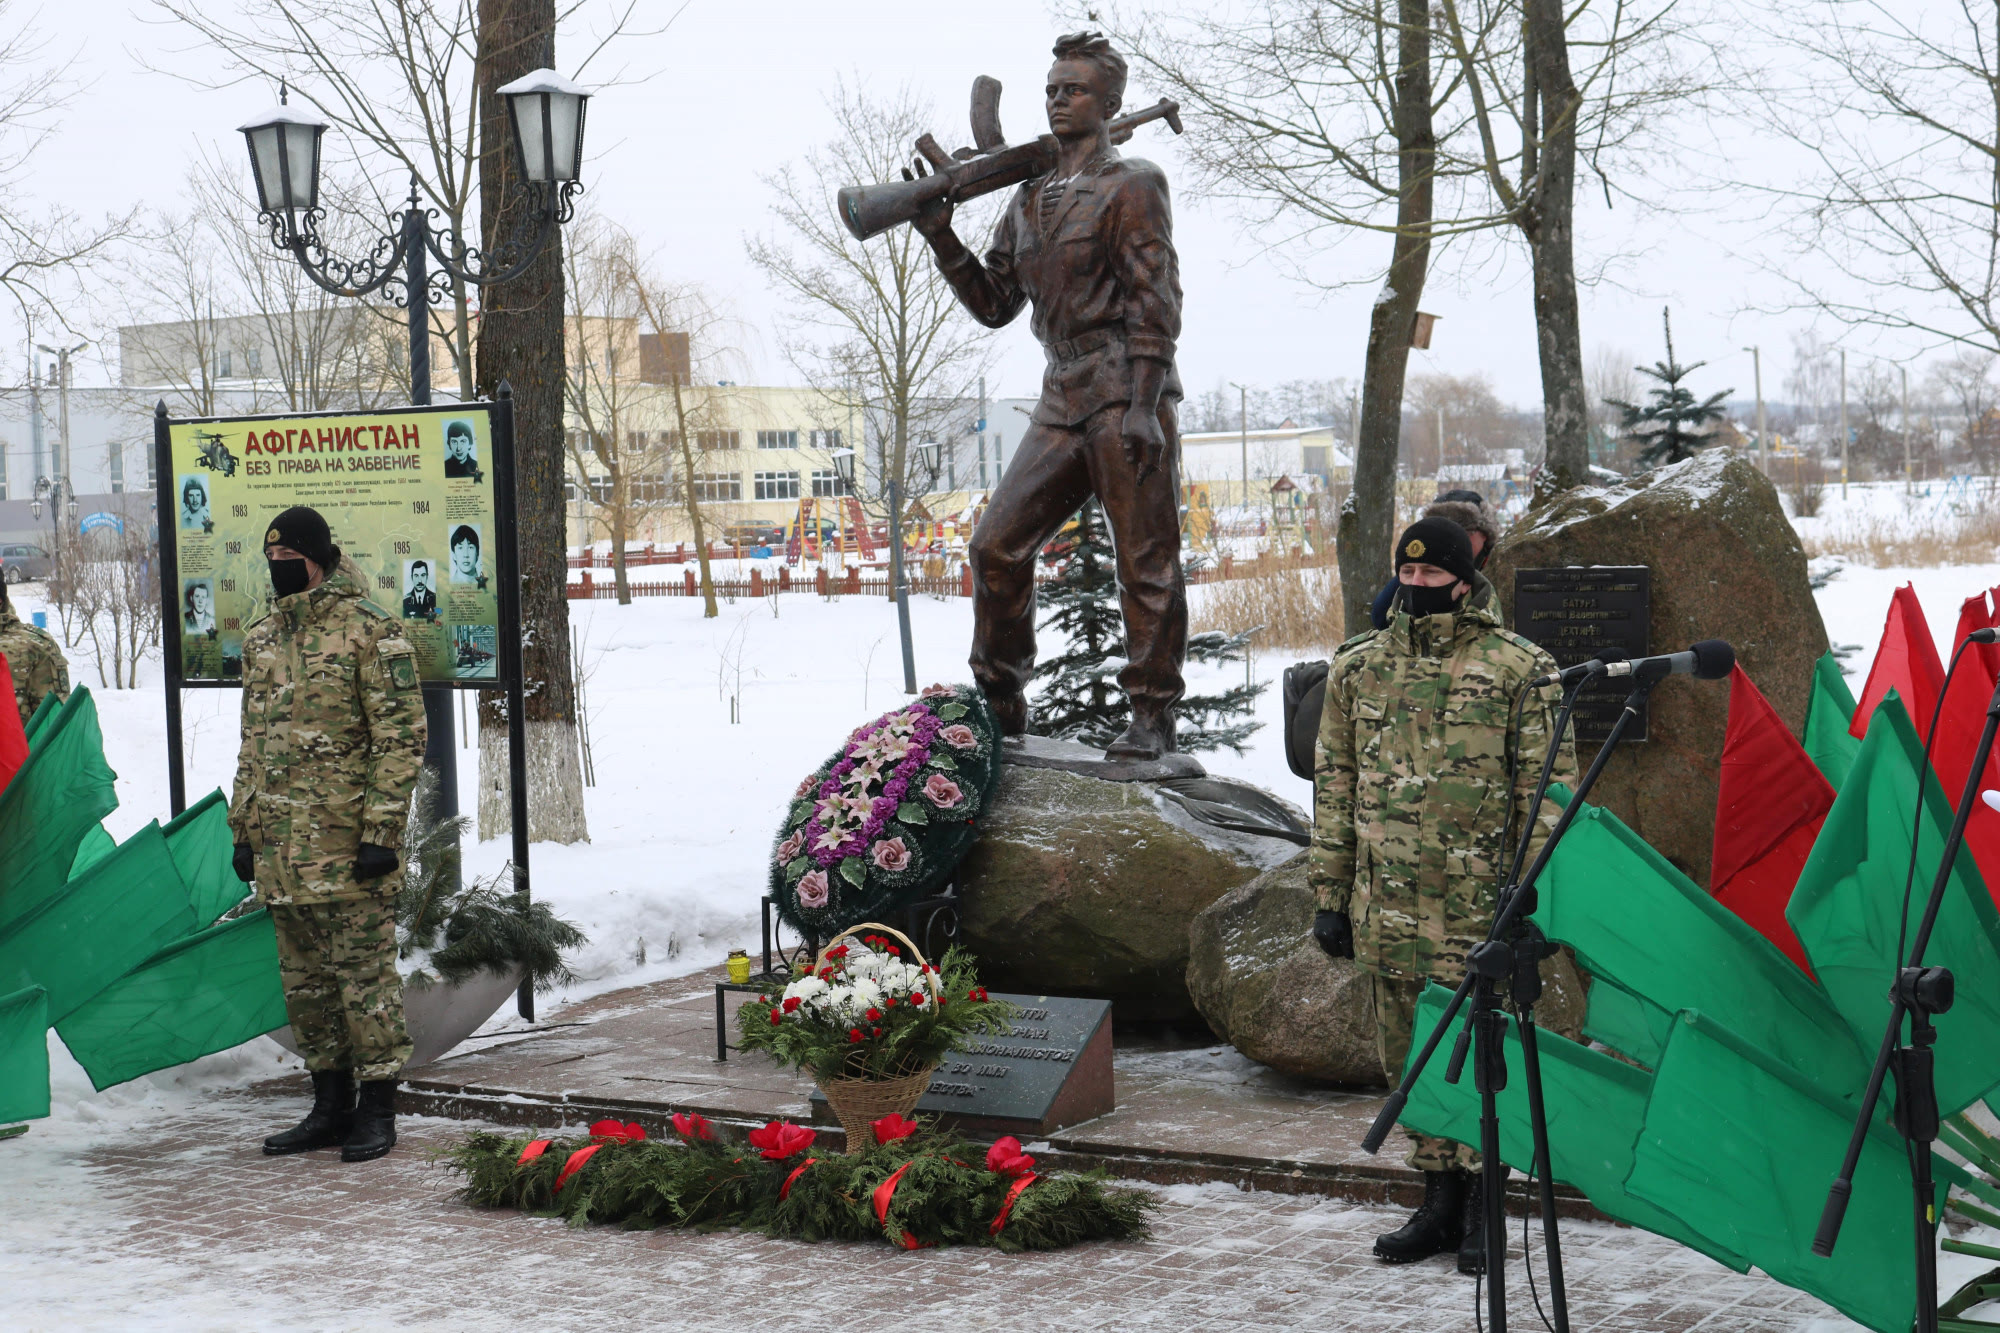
column 547, row 113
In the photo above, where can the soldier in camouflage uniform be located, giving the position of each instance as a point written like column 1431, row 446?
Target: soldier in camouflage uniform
column 33, row 660
column 333, row 737
column 1418, row 773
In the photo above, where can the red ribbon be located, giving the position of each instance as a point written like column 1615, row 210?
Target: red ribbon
column 785, row 1190
column 575, row 1164
column 532, row 1151
column 1021, row 1182
column 884, row 1193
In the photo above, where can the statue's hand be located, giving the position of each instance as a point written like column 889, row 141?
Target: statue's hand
column 1144, row 441
column 933, row 220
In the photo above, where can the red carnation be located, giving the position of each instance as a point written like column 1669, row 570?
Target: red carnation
column 853, row 1034
column 878, row 1032
column 791, row 1004
column 888, row 1001
column 874, row 1015
column 976, row 993
column 840, row 952
column 916, row 997
column 691, row 1126
column 892, row 1127
column 777, row 1017
column 780, row 1139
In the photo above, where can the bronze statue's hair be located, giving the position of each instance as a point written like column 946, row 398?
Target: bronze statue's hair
column 1094, row 48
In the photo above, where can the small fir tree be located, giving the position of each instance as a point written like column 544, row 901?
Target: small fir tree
column 1672, row 426
column 1080, row 699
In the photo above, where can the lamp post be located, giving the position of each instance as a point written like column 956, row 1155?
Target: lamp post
column 1757, row 374
column 546, row 111
column 1243, row 433
column 59, row 456
column 59, row 493
column 843, row 462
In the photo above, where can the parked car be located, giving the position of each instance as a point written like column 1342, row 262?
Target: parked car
column 20, row 561
column 828, row 530
column 753, row 532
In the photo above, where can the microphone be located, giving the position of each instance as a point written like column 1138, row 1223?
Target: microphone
column 1568, row 676
column 1988, row 635
column 1711, row 659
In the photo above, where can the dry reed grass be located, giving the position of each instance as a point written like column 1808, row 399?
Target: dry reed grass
column 1904, row 540
column 1299, row 608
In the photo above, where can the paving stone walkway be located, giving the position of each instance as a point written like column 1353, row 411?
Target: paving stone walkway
column 180, row 1223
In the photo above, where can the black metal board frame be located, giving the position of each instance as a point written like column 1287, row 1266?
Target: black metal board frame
column 1549, row 609
column 501, row 408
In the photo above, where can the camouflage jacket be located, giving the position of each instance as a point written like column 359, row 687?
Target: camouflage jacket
column 333, row 736
column 33, row 660
column 1412, row 791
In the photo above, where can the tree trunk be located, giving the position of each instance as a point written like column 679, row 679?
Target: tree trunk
column 1367, row 520
column 619, row 491
column 1550, row 223
column 521, row 343
column 709, row 610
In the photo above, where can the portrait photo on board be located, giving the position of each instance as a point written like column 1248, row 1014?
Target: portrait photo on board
column 420, row 600
column 461, row 450
column 194, row 504
column 197, row 607
column 467, row 548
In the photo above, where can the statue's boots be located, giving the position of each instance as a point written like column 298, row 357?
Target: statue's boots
column 1010, row 708
column 1436, row 1225
column 329, row 1121
column 1150, row 736
column 1472, row 1245
column 374, row 1131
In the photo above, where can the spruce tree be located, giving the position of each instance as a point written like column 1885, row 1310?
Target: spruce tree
column 1672, row 426
column 1080, row 698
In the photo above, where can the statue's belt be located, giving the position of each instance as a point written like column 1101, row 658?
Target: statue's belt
column 1075, row 349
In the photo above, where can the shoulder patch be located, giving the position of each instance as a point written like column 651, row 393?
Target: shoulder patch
column 370, row 611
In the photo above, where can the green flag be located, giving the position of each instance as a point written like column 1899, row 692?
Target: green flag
column 1633, row 1027
column 52, row 802
column 211, row 991
column 24, row 1054
column 1829, row 712
column 1742, row 1149
column 38, row 720
column 100, row 926
column 203, row 849
column 1594, row 1105
column 96, row 845
column 1635, row 919
column 1847, row 909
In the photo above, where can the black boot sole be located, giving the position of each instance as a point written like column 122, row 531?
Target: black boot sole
column 1413, row 1258
column 366, row 1154
column 308, row 1145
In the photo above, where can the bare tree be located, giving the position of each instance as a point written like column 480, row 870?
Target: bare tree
column 1608, row 374
column 874, row 321
column 1963, row 383
column 611, row 448
column 1898, row 109
column 1477, row 425
column 40, row 245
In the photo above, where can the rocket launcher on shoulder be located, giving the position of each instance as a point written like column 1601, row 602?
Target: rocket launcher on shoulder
column 992, row 164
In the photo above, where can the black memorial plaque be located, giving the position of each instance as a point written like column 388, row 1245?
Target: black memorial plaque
column 1052, row 1069
column 1575, row 613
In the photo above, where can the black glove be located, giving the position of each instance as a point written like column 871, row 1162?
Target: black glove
column 373, row 861
column 1334, row 932
column 244, row 862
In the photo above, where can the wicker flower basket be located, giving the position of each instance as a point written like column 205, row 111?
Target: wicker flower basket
column 859, row 1102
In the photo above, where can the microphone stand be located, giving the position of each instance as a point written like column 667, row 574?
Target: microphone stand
column 1512, row 953
column 1920, row 994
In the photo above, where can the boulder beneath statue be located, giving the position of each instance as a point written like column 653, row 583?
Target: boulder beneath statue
column 1267, row 989
column 1726, row 565
column 1082, row 886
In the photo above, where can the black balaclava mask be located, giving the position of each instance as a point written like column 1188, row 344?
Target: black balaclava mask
column 288, row 576
column 1422, row 601
column 305, row 531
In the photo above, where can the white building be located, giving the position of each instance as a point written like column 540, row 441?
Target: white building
column 1221, row 460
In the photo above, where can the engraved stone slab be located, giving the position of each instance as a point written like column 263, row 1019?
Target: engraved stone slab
column 1052, row 1069
column 1578, row 611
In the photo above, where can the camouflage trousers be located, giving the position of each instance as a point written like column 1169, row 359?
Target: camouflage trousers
column 1560, row 1011
column 342, row 991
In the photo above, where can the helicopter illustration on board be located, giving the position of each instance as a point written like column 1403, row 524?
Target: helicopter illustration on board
column 215, row 455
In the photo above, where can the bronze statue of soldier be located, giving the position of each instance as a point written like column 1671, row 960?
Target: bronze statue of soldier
column 1090, row 245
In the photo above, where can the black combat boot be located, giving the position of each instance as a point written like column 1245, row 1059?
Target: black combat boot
column 1436, row 1225
column 1472, row 1244
column 328, row 1122
column 374, row 1131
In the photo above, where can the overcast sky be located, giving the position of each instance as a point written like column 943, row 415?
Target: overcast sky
column 734, row 87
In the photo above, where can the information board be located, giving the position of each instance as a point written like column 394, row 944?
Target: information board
column 1578, row 611
column 408, row 493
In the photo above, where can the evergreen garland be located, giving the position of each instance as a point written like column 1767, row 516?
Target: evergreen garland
column 1081, row 699
column 947, row 1196
column 1673, row 426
